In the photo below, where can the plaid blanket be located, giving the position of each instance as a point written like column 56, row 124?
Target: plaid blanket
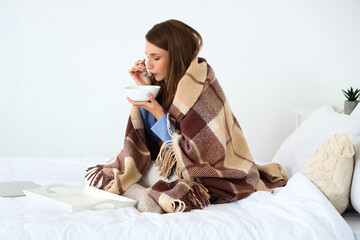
column 208, row 151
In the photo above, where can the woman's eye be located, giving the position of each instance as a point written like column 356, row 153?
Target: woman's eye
column 156, row 59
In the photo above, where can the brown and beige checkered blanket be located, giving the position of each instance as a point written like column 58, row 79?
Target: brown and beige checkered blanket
column 208, row 151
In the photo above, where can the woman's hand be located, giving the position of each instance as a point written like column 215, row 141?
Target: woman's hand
column 153, row 106
column 137, row 73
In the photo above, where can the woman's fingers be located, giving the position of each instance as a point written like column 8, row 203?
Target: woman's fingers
column 140, row 63
column 153, row 106
column 144, row 104
column 137, row 69
column 137, row 103
column 138, row 72
column 132, row 70
column 132, row 102
column 151, row 97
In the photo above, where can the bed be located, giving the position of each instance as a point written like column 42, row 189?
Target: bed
column 297, row 211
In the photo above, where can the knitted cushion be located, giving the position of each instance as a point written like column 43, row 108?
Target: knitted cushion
column 330, row 168
column 355, row 184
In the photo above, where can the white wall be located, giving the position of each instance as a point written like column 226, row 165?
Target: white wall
column 63, row 65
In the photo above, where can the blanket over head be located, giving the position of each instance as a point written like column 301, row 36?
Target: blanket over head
column 208, row 151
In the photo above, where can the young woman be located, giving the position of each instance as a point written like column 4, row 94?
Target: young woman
column 189, row 129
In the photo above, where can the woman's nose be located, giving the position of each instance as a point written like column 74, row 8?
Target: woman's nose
column 148, row 64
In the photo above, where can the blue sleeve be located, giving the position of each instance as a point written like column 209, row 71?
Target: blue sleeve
column 149, row 121
column 160, row 128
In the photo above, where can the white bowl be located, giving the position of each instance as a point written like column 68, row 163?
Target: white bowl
column 138, row 93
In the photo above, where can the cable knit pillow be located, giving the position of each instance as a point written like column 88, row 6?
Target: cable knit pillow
column 331, row 167
column 322, row 124
column 355, row 185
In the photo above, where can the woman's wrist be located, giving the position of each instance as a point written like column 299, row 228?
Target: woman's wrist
column 159, row 114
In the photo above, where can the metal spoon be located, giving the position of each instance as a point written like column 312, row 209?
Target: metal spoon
column 147, row 74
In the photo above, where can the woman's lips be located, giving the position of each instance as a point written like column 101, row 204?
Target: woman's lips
column 153, row 73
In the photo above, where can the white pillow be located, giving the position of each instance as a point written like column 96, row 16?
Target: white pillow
column 356, row 111
column 295, row 151
column 355, row 185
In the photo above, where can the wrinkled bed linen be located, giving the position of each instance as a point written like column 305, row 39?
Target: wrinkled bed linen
column 298, row 210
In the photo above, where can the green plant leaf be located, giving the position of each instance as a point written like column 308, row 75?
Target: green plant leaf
column 351, row 94
column 346, row 94
column 356, row 96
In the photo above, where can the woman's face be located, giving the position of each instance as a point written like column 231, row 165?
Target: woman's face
column 158, row 60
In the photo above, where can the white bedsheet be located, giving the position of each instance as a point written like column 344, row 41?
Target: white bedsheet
column 296, row 211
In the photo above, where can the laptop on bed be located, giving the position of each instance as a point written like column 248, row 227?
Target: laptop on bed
column 15, row 189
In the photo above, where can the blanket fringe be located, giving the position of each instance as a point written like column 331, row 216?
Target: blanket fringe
column 201, row 194
column 178, row 205
column 166, row 159
column 198, row 196
column 95, row 175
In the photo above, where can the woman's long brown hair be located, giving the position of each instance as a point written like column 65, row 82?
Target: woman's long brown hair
column 183, row 44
